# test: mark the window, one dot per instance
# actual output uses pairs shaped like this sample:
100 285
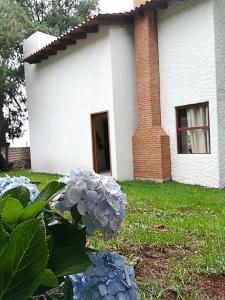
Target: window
193 131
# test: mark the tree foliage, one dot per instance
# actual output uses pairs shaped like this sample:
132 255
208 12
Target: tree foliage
57 16
15 24
20 18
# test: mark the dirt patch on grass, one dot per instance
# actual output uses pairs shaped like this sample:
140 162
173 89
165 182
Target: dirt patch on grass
153 264
186 209
151 261
158 228
212 286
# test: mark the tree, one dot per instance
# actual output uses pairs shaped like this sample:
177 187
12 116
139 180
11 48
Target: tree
57 16
14 26
20 18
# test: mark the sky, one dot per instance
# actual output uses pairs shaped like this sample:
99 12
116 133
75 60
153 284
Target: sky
116 5
109 6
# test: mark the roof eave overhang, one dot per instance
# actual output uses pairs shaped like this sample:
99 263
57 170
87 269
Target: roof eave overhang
90 26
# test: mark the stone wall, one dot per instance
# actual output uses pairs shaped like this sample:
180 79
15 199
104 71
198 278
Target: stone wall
19 158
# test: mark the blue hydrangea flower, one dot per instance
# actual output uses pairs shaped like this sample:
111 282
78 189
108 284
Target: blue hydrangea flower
99 201
108 278
7 183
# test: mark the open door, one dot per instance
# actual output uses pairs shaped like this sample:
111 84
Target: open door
101 143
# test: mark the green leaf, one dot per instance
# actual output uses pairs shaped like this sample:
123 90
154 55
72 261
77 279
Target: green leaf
76 216
23 261
68 260
32 210
68 235
20 193
2 203
49 279
4 238
68 255
55 297
49 241
51 216
50 191
65 293
68 290
11 211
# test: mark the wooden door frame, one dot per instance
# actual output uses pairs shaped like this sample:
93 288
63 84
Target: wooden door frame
93 137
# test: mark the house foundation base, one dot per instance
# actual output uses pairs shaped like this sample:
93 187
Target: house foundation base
151 154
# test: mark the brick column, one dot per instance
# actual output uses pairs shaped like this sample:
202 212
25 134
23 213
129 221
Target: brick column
151 146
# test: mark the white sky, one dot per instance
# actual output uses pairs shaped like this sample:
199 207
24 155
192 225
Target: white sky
116 5
109 6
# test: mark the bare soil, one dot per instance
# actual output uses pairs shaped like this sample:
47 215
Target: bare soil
153 263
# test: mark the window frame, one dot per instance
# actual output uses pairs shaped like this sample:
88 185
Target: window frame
182 129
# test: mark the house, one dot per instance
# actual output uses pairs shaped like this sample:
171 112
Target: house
139 94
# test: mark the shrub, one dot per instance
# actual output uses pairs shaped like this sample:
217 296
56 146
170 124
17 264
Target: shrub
41 249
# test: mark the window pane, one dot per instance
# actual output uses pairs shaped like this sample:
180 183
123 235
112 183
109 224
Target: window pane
193 116
194 141
182 118
198 115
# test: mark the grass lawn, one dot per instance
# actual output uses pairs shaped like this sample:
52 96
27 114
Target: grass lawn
174 234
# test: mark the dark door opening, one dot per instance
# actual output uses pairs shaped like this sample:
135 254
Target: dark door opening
101 143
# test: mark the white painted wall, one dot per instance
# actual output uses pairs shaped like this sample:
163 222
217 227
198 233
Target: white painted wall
188 75
98 74
124 94
62 93
35 42
219 23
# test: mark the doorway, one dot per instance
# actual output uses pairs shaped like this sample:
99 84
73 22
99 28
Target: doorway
101 143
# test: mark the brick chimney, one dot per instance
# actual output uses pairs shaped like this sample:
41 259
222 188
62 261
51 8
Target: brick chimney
151 145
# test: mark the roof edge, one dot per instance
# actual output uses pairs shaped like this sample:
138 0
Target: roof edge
90 26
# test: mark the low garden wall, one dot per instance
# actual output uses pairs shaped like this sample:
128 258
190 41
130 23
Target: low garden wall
19 158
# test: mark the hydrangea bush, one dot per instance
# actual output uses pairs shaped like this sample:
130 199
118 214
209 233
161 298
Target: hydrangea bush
107 278
7 183
98 199
41 249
